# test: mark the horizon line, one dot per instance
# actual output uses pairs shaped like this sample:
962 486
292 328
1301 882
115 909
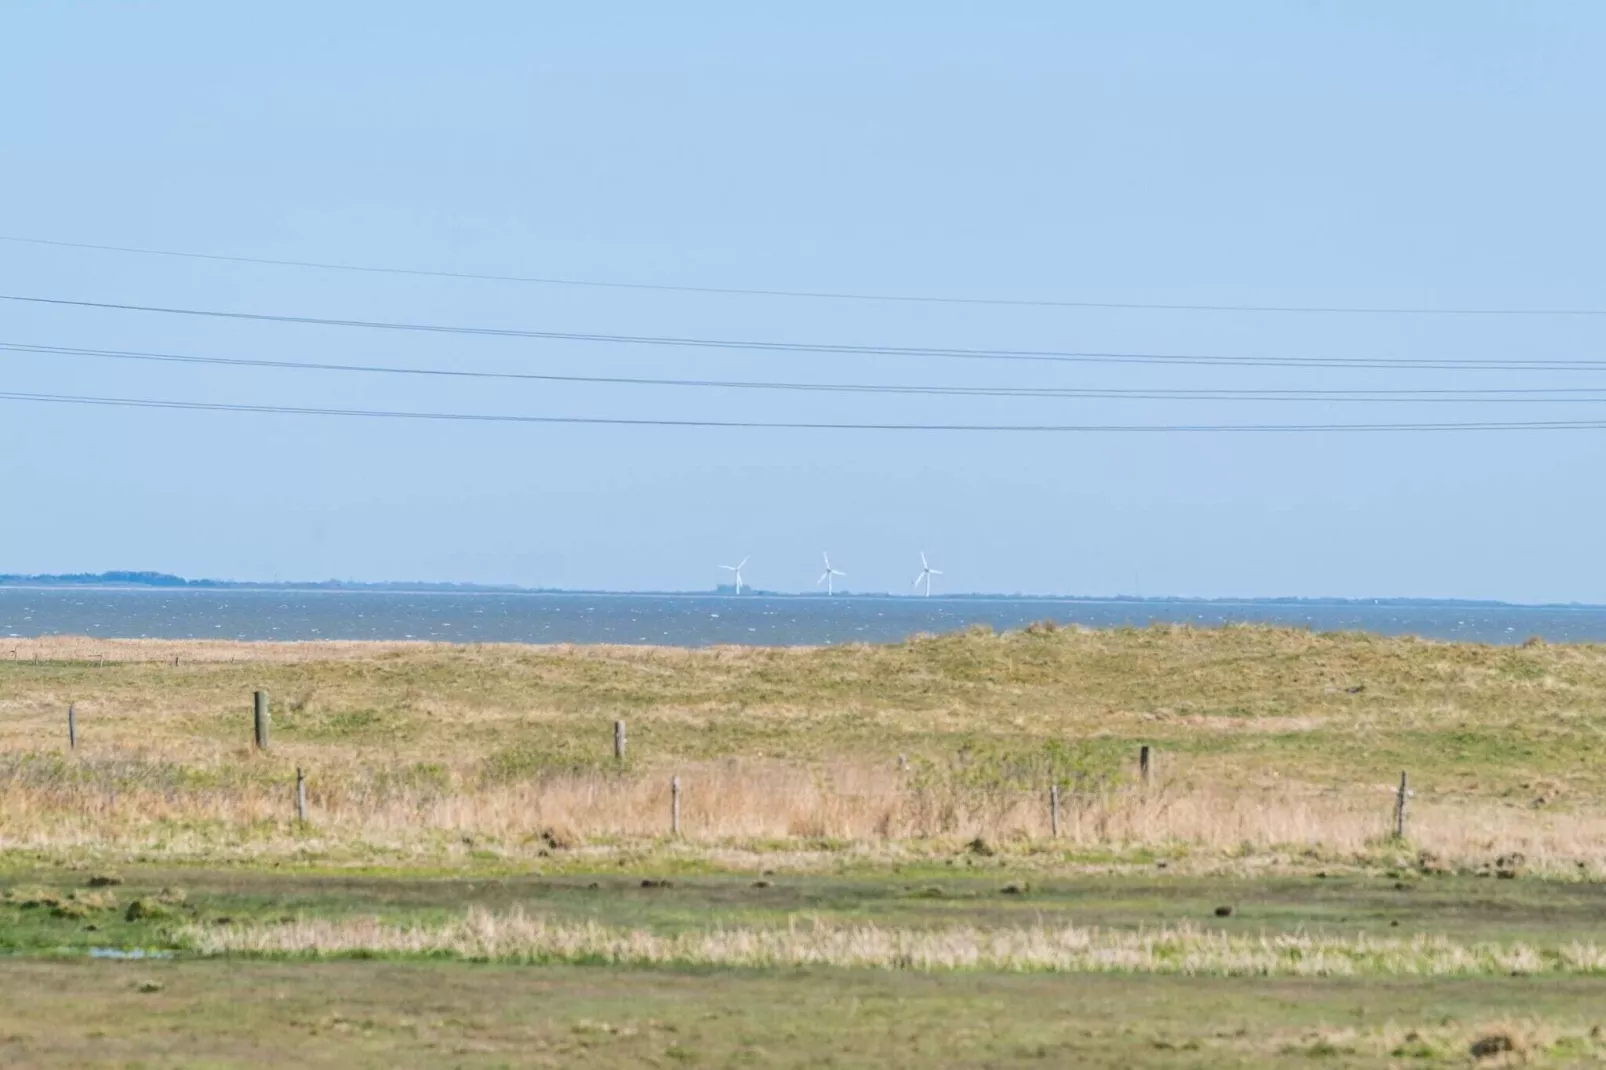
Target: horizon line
118 579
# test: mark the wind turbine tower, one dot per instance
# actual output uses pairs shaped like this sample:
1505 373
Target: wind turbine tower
737 570
829 575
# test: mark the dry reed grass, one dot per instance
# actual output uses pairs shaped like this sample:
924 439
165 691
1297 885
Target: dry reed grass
518 937
759 806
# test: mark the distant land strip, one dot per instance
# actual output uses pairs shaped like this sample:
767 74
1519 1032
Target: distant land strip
164 580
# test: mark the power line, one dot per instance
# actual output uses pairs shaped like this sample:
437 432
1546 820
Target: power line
610 421
1510 395
1051 356
831 295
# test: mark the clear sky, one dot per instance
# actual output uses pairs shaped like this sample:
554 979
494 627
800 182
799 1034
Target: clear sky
1371 154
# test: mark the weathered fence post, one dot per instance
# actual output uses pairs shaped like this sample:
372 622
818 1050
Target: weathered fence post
619 741
72 726
259 705
301 796
1143 763
674 806
1399 808
1054 809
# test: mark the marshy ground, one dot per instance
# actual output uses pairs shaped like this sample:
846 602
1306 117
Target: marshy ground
865 872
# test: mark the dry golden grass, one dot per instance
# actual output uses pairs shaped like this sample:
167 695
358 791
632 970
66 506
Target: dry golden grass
1267 740
420 700
749 811
1186 949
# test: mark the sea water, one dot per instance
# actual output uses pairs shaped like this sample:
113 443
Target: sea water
702 620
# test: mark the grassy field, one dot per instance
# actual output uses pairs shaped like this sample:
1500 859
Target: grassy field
219 1003
865 872
387 1014
1267 742
383 1006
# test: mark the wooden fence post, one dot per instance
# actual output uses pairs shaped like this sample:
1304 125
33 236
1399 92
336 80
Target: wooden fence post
259 705
1054 809
72 726
1143 763
618 741
301 796
1399 808
674 806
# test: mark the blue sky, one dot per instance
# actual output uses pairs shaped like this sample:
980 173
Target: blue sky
1432 154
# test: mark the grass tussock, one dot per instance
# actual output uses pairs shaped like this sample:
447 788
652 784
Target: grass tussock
1500 1042
1190 950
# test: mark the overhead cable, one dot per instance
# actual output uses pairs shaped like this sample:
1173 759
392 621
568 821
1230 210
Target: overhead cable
1509 395
1053 356
831 295
788 425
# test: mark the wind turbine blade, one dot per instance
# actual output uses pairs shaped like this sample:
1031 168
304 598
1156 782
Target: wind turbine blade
745 560
822 579
934 571
923 563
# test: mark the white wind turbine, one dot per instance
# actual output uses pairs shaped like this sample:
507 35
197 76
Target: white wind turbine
737 569
828 576
926 572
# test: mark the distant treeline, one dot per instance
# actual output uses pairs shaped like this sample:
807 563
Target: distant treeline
164 579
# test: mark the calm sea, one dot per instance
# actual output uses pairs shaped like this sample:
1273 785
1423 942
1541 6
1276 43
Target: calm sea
701 620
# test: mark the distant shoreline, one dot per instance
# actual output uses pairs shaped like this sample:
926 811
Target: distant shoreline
161 583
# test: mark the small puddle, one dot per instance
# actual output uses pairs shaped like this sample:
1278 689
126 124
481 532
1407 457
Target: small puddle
127 953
